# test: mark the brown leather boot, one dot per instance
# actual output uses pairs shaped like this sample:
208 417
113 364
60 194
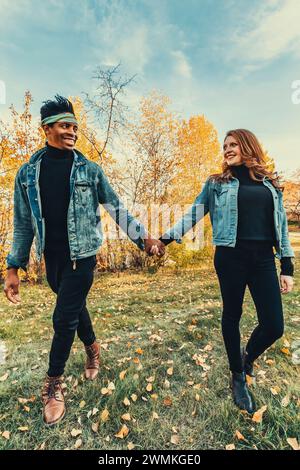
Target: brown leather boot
53 400
92 361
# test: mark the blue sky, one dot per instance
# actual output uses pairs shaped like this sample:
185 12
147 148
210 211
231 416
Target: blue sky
232 60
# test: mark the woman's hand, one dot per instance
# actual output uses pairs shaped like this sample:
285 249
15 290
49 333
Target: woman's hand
286 284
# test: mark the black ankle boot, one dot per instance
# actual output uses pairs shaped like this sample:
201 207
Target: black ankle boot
240 392
247 365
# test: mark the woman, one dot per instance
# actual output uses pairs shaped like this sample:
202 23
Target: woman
248 218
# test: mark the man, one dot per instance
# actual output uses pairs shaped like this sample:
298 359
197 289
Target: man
56 200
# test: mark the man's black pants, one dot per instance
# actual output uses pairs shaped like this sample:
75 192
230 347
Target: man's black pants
70 313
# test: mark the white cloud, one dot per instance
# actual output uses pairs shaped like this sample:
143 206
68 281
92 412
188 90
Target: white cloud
273 31
182 66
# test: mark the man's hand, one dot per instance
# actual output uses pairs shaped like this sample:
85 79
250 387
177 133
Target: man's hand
154 247
11 286
286 284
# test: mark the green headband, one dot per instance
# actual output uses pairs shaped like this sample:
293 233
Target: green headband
66 117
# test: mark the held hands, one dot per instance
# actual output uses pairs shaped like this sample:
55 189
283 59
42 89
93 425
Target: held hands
154 247
11 286
286 284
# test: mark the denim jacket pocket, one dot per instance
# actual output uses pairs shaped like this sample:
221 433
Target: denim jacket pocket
220 196
83 192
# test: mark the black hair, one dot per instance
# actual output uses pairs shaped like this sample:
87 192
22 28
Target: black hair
56 106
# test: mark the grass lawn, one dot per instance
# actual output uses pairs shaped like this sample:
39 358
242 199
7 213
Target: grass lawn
164 381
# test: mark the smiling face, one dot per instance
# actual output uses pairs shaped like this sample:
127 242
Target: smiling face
232 151
62 135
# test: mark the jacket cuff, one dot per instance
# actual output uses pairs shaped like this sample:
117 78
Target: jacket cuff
287 266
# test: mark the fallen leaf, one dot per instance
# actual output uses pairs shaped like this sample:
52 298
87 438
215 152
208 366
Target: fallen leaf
285 401
257 417
123 432
293 443
134 397
130 446
23 428
4 377
78 444
122 374
175 439
104 415
126 417
155 415
139 351
126 401
150 379
230 447
111 386
6 435
95 427
82 404
239 435
170 371
285 351
76 432
149 388
167 401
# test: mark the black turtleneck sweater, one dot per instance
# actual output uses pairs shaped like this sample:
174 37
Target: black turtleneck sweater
255 215
54 181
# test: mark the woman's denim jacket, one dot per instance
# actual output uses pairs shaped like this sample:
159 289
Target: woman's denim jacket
220 200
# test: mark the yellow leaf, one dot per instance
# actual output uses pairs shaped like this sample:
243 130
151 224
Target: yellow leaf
122 374
23 428
123 432
285 351
134 397
175 439
139 351
130 446
275 390
104 391
6 435
82 404
285 401
76 432
150 379
293 443
230 447
149 388
167 401
170 371
104 415
257 417
78 444
126 401
126 417
111 386
95 427
155 415
239 435
249 380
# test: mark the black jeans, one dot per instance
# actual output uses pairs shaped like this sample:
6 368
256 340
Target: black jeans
70 313
236 268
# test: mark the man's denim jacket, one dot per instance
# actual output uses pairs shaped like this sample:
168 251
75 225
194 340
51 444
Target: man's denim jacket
220 200
88 187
